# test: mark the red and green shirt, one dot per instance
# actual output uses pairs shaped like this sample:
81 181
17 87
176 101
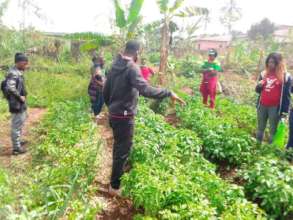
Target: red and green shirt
271 92
207 67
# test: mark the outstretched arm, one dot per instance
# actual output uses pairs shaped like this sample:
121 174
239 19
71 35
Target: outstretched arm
137 81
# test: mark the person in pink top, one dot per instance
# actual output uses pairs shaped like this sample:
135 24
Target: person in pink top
146 71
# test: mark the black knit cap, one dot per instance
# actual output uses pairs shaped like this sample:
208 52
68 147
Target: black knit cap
213 52
20 57
132 46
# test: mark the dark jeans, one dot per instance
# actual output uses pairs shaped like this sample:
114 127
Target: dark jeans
290 141
123 135
98 104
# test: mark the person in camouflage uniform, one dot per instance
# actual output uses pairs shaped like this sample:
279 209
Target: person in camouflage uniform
16 96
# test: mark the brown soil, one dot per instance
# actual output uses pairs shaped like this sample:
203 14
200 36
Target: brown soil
228 173
187 90
172 119
114 208
6 157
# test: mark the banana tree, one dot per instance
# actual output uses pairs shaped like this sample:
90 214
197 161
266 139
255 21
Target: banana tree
169 12
128 23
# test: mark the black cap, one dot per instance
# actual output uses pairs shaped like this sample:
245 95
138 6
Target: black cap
132 46
20 57
213 52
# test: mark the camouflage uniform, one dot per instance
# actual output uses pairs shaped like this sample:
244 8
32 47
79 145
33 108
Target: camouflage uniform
18 108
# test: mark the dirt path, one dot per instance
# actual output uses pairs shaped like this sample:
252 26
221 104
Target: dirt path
113 208
6 158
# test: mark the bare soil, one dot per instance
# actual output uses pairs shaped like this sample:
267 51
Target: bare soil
6 157
114 208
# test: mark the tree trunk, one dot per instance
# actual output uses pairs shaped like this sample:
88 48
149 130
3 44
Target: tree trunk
75 50
164 46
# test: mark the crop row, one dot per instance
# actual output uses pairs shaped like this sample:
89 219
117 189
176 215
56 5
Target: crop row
63 169
171 179
227 137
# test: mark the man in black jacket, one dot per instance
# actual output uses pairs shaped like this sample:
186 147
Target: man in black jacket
16 95
123 86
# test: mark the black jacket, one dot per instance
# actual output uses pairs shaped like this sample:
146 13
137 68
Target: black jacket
16 89
286 93
124 84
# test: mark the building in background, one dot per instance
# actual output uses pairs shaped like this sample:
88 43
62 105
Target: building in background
282 33
220 43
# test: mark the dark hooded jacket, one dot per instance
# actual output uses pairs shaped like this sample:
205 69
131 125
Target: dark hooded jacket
123 86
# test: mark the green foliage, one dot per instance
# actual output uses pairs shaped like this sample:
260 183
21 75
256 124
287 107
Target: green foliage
270 181
264 28
120 15
12 41
92 41
170 179
64 166
193 11
134 10
6 196
3 7
243 211
163 6
130 23
223 139
226 135
177 4
45 89
188 66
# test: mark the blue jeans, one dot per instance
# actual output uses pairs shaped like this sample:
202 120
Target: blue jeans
290 141
98 104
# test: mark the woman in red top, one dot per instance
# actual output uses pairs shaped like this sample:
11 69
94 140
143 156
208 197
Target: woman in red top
270 87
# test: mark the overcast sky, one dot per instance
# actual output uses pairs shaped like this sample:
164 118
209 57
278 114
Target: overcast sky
95 15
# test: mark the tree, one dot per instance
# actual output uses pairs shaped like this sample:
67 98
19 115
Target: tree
3 7
173 27
169 12
128 24
231 14
151 34
29 7
264 29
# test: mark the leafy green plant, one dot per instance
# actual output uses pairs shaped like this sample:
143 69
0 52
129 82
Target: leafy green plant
128 23
170 178
270 182
227 137
64 165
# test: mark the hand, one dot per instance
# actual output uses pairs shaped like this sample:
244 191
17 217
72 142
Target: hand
262 82
175 98
284 117
22 98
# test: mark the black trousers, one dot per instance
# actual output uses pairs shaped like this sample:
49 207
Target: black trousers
123 139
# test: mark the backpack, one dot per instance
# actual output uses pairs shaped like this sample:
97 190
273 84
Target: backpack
4 88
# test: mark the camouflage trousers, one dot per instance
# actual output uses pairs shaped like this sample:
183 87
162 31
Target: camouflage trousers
17 123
